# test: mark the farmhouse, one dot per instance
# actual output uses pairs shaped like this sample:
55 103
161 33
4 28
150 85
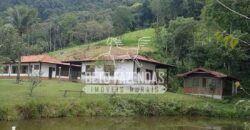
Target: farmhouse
121 69
209 83
43 66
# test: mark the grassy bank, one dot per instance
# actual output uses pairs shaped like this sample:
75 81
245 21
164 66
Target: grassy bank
48 102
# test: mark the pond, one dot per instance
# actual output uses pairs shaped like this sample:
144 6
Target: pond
126 123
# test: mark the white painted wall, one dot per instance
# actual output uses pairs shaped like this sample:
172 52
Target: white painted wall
143 67
44 70
125 73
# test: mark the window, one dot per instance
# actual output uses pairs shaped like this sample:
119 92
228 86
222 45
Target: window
36 67
6 69
149 74
204 82
195 82
138 70
24 69
90 69
14 70
213 83
109 69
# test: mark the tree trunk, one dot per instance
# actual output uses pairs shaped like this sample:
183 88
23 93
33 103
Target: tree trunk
18 70
19 61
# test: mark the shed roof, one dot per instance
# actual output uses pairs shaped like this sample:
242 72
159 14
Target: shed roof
206 71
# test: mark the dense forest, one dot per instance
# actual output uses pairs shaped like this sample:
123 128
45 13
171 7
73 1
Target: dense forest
213 34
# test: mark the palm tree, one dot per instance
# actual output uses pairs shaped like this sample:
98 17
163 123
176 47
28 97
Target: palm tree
22 17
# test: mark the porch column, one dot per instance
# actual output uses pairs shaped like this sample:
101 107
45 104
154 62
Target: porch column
167 77
29 70
40 69
60 70
70 75
81 72
10 67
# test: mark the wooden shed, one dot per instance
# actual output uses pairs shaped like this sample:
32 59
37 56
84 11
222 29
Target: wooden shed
209 83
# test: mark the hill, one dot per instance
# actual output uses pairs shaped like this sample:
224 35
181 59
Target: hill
129 43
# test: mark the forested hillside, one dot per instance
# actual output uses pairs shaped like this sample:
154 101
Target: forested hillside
214 34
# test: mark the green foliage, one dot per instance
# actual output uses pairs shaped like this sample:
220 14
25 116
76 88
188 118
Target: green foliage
10 46
21 17
122 19
227 20
246 126
179 38
229 41
34 83
166 10
242 106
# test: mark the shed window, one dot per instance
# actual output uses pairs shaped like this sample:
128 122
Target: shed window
109 69
6 69
149 74
204 82
24 69
195 82
213 83
14 70
138 70
36 67
90 69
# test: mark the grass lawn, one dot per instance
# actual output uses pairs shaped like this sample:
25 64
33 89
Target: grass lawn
12 95
49 91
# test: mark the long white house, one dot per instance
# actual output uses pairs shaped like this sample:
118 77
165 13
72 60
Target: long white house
40 65
109 69
120 69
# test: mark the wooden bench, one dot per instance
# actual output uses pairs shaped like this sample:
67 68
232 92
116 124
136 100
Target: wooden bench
74 91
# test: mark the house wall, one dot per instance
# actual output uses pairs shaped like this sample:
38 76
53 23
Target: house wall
44 70
99 74
143 66
124 73
194 85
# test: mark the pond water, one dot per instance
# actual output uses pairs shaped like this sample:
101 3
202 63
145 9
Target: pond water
126 123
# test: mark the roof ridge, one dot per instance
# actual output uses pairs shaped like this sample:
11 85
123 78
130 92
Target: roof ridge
215 73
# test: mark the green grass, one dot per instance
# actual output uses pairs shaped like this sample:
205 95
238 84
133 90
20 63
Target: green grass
50 91
12 94
129 40
48 101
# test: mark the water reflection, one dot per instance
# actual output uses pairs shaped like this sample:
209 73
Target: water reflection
128 123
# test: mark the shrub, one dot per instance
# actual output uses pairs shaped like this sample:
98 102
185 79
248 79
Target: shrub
120 106
3 113
242 107
28 111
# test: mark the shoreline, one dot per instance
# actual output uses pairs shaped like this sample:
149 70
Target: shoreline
115 107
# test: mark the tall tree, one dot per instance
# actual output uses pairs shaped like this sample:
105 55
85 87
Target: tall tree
22 17
178 39
122 19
